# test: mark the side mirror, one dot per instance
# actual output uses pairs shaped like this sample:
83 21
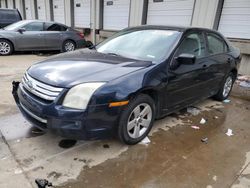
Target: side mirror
21 30
186 59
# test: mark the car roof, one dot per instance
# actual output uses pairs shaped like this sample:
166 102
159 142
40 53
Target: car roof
10 9
175 28
28 21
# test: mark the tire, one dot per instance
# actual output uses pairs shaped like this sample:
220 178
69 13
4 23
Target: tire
139 127
6 47
88 44
226 87
68 46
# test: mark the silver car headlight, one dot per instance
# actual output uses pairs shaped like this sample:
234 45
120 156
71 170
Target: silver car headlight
78 96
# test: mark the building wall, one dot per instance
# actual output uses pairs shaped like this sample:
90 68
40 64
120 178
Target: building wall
204 13
19 6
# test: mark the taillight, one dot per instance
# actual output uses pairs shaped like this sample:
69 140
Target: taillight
81 35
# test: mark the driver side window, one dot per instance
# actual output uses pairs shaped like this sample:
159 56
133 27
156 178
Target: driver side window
34 26
192 44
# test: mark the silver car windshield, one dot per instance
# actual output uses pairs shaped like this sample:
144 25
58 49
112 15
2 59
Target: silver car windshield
148 45
15 26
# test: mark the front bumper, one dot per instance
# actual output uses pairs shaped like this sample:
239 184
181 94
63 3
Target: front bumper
97 122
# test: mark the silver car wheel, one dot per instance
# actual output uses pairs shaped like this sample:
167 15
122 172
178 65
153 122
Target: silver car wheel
69 46
4 48
139 120
227 86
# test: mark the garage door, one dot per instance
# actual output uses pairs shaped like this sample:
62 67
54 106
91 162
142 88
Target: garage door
11 4
115 14
170 12
3 4
82 13
28 9
41 11
59 11
235 19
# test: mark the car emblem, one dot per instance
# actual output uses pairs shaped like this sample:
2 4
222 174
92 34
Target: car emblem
30 84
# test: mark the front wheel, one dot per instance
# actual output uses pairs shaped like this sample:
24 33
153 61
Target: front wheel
68 46
226 88
136 120
6 48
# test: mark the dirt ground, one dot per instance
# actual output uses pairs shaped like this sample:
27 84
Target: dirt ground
175 157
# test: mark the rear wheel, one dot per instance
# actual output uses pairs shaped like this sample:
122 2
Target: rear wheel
136 120
68 46
6 48
226 88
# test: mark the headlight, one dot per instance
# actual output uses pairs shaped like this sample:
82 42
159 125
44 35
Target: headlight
78 97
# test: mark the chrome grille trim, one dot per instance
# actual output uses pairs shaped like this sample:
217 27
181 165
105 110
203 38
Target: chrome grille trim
39 89
33 115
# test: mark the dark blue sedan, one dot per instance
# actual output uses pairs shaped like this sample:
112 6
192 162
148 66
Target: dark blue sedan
119 87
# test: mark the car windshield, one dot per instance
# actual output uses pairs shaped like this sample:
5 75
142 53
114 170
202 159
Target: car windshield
148 45
15 26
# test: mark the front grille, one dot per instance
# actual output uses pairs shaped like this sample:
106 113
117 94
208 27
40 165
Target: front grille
39 89
42 120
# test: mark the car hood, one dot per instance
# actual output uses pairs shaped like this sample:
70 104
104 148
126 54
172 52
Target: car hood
81 66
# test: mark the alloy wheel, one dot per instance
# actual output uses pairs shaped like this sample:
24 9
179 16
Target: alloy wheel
139 120
69 46
4 48
227 86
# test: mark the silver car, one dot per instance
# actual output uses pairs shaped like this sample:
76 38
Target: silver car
31 35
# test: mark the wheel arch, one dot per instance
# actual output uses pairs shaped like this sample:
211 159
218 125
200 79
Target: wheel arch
69 39
12 43
65 40
154 94
234 71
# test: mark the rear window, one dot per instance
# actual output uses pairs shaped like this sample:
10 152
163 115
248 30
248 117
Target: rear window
54 27
216 44
9 15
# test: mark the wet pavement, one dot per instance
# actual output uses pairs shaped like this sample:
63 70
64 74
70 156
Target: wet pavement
178 158
175 156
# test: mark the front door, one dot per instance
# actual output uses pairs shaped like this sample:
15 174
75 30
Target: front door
187 81
32 38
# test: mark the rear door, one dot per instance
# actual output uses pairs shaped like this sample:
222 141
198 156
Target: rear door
53 35
187 82
32 37
218 59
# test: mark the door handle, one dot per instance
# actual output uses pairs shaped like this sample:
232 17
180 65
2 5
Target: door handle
204 66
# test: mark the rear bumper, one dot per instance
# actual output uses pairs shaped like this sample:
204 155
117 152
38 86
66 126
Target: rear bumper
97 122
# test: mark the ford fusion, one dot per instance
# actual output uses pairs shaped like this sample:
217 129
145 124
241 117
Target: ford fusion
119 87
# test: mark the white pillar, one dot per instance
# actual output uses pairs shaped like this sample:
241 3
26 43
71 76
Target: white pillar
204 13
